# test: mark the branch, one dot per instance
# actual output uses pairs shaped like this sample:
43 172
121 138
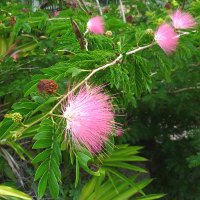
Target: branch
183 89
122 10
83 6
98 5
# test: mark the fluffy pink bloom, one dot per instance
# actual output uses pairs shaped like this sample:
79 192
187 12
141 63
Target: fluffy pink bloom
56 13
182 20
167 38
89 118
15 56
96 25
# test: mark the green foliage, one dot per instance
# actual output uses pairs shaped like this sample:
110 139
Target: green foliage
50 159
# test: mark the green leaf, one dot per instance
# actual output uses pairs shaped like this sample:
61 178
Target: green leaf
50 100
53 184
43 135
88 188
83 160
26 27
41 156
125 158
124 165
112 181
8 191
42 185
56 170
43 143
126 194
150 197
77 172
124 178
41 169
71 156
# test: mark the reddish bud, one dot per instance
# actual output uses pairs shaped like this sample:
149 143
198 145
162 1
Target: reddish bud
129 18
74 5
106 10
168 6
67 6
24 10
48 86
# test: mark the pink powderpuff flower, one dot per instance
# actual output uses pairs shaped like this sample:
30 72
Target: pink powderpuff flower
15 56
89 118
56 13
96 25
167 38
182 20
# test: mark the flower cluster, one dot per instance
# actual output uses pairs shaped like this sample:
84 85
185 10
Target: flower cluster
166 37
90 118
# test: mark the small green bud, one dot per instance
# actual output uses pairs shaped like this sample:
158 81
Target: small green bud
17 117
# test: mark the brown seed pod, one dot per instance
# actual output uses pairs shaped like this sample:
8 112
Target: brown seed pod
168 6
129 18
48 86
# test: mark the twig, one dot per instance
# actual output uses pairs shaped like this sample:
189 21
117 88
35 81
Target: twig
52 19
98 5
140 48
82 5
86 41
122 10
14 166
183 89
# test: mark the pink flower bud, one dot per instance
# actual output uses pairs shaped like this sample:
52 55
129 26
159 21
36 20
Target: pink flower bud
182 20
166 38
89 118
96 25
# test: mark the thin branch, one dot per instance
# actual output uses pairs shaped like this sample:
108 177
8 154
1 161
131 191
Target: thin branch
99 7
83 6
122 10
52 19
183 89
86 41
140 48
